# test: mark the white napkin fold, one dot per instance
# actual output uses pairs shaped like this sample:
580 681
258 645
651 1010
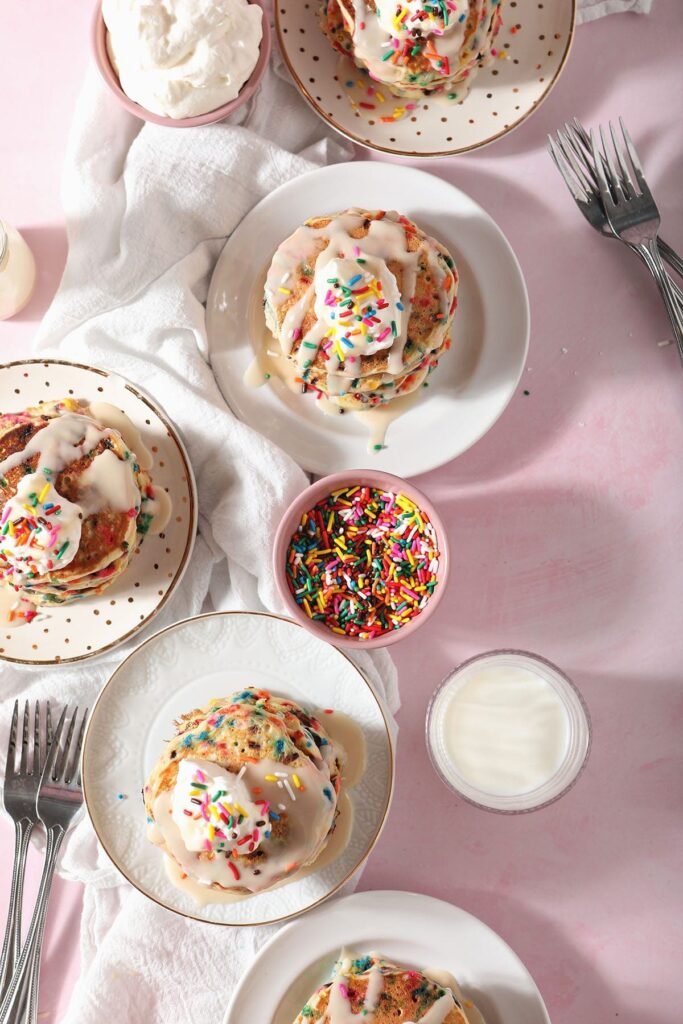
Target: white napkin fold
148 210
589 10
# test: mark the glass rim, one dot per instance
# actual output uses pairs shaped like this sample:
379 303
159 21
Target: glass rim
581 706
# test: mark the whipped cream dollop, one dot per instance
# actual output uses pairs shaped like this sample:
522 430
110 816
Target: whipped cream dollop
181 58
214 810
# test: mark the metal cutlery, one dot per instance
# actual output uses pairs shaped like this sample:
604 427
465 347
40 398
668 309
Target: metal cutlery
59 798
616 205
579 132
19 797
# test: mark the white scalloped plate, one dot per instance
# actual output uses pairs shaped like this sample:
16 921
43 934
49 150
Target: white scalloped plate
474 381
409 928
63 633
536 38
183 667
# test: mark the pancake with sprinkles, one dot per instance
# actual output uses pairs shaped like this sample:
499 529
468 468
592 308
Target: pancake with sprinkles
416 47
75 503
362 303
246 792
374 990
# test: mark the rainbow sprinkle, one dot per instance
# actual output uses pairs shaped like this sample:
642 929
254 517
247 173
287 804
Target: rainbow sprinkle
363 561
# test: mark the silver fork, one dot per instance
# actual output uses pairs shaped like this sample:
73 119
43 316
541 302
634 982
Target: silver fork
577 131
59 798
635 217
19 798
572 154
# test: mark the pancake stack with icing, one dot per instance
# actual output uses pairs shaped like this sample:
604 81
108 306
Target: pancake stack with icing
245 794
75 502
362 303
416 47
372 990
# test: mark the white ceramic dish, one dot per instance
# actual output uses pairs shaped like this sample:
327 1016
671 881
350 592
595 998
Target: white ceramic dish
183 667
412 929
474 381
536 38
96 624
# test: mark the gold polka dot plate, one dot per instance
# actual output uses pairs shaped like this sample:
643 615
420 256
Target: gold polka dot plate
531 50
213 656
95 624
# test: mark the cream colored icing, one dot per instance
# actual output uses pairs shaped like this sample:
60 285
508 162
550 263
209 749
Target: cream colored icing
305 795
397 26
380 312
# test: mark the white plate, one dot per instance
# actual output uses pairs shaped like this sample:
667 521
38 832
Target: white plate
536 36
473 382
184 667
95 624
414 930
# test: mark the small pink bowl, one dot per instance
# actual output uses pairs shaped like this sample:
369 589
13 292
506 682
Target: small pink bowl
306 500
99 44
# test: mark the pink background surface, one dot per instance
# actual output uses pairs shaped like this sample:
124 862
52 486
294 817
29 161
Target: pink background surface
565 525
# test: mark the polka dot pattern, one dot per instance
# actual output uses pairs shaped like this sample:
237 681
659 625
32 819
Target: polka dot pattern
95 624
531 49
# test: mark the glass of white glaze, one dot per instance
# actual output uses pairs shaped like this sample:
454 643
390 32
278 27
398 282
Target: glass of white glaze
508 731
17 272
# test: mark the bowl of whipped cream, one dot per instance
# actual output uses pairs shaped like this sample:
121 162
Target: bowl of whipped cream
182 63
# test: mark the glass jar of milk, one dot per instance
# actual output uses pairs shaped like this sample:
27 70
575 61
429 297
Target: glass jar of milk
508 731
17 272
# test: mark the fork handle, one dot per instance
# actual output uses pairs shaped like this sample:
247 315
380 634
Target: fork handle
649 253
670 255
11 946
12 1010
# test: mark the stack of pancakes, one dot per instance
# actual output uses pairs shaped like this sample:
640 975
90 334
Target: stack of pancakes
372 988
108 534
265 760
361 302
415 47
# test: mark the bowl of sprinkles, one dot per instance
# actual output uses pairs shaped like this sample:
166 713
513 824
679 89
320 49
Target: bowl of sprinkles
361 558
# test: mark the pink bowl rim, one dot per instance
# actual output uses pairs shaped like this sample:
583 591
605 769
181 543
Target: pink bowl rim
211 116
305 500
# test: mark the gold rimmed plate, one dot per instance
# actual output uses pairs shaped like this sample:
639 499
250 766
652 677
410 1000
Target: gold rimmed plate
183 667
95 624
531 50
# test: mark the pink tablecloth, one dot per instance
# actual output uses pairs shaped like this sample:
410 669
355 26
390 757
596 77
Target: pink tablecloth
565 524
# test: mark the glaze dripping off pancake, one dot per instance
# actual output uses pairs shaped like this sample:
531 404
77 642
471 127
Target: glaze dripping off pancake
74 503
245 794
362 303
416 47
374 990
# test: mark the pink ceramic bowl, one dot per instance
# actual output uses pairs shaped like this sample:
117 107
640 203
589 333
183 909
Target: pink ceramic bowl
99 43
320 489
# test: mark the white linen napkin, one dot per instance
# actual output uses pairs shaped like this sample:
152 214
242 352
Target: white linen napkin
589 10
148 210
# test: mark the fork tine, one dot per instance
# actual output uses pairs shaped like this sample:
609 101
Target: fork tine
576 162
562 166
633 157
582 153
36 763
23 766
626 180
615 184
73 778
49 769
12 745
605 193
60 770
